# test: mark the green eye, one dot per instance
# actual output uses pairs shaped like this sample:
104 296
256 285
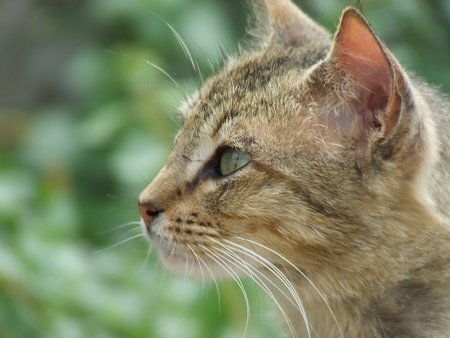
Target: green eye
233 160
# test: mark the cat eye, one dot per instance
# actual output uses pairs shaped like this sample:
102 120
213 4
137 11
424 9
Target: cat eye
233 160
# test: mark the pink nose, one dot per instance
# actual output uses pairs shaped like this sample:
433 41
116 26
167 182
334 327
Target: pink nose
149 211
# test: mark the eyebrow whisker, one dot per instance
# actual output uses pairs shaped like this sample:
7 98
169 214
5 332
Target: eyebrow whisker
191 160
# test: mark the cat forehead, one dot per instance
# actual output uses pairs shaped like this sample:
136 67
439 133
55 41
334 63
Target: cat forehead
249 80
276 118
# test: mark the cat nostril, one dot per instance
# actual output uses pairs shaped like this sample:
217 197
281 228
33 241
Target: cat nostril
149 211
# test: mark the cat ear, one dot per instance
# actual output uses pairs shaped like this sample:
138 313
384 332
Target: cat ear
376 76
282 22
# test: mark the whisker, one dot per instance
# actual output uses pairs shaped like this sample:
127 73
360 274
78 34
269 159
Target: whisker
172 80
199 71
302 273
186 266
277 272
194 65
147 256
191 160
251 272
183 45
164 72
199 265
216 284
238 282
172 251
205 55
223 53
120 227
182 90
134 230
119 243
273 269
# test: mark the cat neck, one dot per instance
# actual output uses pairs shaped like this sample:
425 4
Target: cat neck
405 285
401 308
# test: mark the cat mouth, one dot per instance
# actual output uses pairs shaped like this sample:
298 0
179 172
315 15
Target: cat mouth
197 254
173 254
180 259
164 245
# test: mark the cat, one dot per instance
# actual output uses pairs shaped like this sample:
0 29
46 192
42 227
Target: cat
318 166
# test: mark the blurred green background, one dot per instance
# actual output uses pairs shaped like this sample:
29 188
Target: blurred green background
86 122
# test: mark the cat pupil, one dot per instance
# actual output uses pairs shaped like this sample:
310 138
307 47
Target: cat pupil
236 157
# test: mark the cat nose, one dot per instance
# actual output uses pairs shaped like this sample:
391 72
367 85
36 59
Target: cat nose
149 211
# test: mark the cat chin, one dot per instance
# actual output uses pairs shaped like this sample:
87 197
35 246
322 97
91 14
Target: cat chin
190 268
184 268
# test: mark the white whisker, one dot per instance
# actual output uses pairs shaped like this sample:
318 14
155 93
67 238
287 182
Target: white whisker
120 243
252 273
163 71
199 265
216 284
186 266
134 231
121 226
172 251
235 277
147 256
277 272
302 273
183 45
182 90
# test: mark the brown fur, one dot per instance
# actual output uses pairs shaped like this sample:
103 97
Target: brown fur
349 179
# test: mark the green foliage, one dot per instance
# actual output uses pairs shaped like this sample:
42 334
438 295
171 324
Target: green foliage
86 121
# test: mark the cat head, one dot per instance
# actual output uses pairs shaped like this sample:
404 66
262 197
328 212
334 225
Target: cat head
304 147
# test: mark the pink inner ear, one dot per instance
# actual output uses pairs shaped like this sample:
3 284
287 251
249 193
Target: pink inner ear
359 52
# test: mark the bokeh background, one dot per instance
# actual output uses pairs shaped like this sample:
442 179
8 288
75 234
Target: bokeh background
87 120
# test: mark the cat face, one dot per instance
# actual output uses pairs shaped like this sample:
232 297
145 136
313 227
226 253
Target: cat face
200 203
288 152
